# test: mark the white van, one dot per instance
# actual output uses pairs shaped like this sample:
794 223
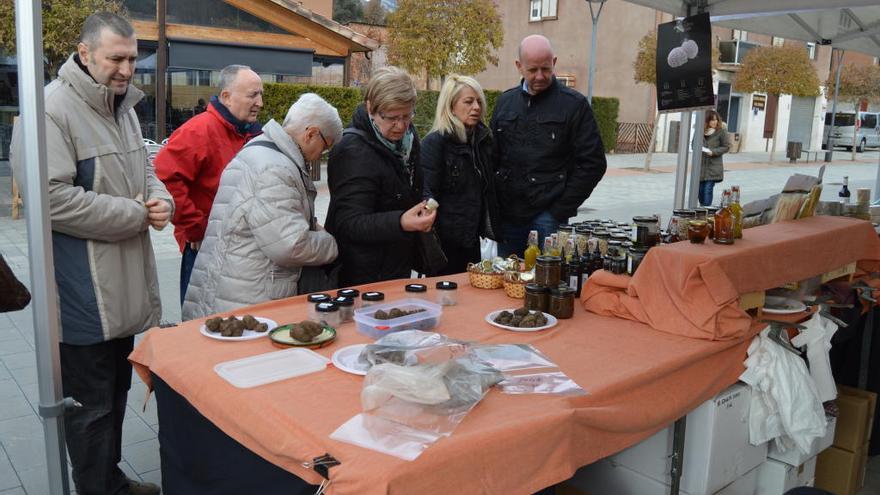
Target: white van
867 129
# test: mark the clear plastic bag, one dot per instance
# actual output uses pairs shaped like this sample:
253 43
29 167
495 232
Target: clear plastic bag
412 347
554 382
510 357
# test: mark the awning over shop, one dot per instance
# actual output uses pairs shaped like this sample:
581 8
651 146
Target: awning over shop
215 56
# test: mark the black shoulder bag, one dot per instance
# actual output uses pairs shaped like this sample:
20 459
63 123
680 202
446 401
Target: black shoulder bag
14 296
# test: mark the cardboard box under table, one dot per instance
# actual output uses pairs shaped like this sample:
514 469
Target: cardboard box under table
638 381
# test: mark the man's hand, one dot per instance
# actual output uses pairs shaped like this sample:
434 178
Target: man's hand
158 212
418 219
195 245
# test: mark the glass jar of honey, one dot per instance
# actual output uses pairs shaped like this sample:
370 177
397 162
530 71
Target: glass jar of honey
697 231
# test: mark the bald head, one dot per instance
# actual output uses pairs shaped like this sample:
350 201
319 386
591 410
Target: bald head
536 62
534 45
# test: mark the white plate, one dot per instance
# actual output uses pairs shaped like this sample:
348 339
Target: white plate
247 335
346 359
782 305
490 318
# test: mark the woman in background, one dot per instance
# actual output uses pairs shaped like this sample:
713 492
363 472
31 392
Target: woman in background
457 163
716 142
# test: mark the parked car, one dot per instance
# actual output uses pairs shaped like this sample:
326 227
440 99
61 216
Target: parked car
867 129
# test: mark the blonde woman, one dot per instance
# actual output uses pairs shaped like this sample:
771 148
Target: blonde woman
375 182
457 163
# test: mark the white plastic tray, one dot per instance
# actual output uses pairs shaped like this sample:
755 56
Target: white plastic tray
271 367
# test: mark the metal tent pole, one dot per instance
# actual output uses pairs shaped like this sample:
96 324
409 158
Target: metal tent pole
681 168
830 149
29 39
696 159
877 180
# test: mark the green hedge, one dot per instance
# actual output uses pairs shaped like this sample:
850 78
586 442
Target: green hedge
606 111
277 98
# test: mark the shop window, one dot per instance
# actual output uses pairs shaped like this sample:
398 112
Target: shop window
540 10
568 80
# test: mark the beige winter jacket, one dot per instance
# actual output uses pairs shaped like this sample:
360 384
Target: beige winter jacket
261 230
99 179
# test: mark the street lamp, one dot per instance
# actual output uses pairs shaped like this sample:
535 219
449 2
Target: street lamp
594 14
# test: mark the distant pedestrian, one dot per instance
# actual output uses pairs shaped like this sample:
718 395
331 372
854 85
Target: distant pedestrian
196 154
716 142
200 107
549 155
103 197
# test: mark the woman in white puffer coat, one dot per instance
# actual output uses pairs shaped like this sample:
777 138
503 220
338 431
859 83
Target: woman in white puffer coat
262 228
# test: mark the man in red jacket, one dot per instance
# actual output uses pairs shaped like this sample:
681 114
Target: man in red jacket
197 152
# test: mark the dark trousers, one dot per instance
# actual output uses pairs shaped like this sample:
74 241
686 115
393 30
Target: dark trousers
514 237
707 187
458 257
186 268
98 376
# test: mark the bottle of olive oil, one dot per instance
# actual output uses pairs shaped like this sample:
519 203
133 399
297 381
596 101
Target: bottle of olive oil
532 250
737 210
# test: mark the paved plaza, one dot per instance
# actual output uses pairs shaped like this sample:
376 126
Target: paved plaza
625 191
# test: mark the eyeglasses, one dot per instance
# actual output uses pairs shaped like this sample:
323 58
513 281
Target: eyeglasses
405 119
326 144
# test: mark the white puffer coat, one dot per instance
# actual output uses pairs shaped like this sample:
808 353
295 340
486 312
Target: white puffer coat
261 230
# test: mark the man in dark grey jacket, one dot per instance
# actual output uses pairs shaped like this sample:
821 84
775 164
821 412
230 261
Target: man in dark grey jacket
549 154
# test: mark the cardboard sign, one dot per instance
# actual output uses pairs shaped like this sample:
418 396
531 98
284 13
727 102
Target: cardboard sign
684 64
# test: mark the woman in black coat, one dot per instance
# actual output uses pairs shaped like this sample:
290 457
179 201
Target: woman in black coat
375 181
457 163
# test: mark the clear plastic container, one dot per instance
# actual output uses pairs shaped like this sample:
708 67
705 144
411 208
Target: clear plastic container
447 293
372 298
423 320
327 312
346 308
417 290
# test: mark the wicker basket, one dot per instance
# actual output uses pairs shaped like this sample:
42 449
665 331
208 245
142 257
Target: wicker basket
483 280
513 286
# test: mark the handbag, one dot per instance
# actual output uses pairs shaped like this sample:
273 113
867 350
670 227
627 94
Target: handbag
430 258
318 278
14 296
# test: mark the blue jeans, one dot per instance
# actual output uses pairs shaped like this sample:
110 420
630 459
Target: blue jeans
186 268
706 189
515 237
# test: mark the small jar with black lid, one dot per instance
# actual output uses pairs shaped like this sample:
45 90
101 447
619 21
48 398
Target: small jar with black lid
352 294
536 297
418 291
447 293
370 298
346 308
327 312
548 270
634 258
315 299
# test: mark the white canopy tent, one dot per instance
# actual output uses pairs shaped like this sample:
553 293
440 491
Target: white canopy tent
852 25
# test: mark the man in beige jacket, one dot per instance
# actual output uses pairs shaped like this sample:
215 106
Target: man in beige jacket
103 197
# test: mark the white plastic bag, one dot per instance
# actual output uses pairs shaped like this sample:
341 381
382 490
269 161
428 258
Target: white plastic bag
488 248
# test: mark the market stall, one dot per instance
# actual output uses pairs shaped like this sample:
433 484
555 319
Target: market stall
637 379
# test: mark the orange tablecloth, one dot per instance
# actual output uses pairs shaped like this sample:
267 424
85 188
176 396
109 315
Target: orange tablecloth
693 289
638 380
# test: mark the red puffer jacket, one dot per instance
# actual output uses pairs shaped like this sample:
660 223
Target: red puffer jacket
191 163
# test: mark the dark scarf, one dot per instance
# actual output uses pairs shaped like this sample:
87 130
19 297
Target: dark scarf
241 127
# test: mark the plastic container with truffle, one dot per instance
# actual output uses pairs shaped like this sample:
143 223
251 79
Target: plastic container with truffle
393 316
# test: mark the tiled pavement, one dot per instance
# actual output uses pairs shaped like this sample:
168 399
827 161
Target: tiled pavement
624 192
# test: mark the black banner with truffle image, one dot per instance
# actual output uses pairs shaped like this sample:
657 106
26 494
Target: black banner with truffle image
684 64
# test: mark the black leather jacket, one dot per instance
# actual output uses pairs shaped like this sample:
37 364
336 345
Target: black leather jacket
460 176
549 154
